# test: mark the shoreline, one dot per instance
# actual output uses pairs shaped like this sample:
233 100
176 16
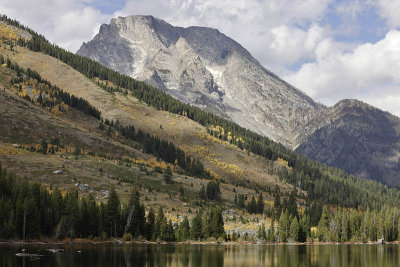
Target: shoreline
118 242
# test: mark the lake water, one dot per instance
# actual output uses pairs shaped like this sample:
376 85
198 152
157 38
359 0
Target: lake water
204 255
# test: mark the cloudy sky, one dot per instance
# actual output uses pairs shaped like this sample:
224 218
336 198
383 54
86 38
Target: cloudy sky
330 49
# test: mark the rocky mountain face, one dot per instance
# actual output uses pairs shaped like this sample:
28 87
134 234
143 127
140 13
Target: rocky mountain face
359 139
205 68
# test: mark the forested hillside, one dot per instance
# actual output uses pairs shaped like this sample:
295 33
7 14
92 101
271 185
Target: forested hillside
309 193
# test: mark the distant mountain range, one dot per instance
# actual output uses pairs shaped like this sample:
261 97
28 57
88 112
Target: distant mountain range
205 68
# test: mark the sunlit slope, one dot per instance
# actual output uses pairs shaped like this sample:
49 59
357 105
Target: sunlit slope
222 159
104 160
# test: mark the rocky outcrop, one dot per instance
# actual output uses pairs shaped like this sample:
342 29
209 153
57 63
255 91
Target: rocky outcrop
203 67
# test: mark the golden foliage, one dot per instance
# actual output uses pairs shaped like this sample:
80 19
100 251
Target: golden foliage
8 32
32 89
282 162
12 33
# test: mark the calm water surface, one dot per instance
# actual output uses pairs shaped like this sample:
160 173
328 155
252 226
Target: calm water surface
204 255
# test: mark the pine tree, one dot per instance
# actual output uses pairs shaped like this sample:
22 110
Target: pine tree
112 212
284 226
43 146
216 223
252 206
202 193
261 232
324 225
93 214
213 191
157 225
150 224
169 234
241 201
345 229
271 231
164 234
294 230
260 204
304 228
277 203
196 231
184 229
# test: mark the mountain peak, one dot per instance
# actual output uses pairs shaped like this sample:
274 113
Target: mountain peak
213 72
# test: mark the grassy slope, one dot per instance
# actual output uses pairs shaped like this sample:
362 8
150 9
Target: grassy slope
25 123
224 160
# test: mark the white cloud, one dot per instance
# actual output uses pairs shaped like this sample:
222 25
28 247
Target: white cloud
263 27
390 11
369 72
289 45
67 23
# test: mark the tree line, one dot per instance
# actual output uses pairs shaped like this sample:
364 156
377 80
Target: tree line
340 225
29 210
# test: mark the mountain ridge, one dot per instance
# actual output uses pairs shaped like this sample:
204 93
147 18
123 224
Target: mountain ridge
223 78
205 68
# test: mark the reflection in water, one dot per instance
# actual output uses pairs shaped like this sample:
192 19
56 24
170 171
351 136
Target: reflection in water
207 255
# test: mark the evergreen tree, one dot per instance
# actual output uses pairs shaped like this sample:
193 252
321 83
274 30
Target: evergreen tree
284 225
216 223
304 228
271 231
184 230
252 206
324 225
169 234
93 215
260 204
277 203
213 191
157 225
241 203
138 219
72 210
294 230
164 230
112 212
196 231
202 193
150 224
43 146
261 233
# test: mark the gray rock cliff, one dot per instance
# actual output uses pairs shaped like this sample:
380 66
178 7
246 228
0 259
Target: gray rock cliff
203 67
